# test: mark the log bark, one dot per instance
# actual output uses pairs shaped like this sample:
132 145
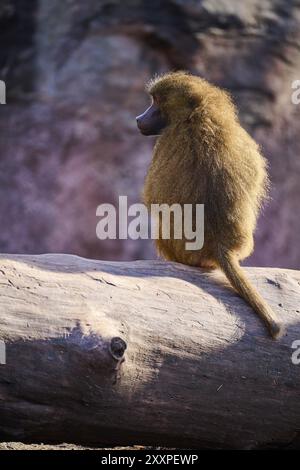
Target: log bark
144 352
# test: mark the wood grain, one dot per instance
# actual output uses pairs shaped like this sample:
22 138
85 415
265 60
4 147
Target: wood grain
144 352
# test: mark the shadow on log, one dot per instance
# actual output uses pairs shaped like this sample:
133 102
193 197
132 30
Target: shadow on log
147 352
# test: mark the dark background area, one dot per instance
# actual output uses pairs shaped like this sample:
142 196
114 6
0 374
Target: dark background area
75 73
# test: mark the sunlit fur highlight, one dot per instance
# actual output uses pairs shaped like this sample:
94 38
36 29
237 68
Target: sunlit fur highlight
204 156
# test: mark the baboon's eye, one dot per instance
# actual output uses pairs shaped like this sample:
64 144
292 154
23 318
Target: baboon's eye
154 99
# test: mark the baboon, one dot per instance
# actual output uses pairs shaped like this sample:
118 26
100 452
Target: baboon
204 156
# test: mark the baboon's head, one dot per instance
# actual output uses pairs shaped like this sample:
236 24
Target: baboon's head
173 99
176 98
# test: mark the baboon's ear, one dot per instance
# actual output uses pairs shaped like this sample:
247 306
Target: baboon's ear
193 101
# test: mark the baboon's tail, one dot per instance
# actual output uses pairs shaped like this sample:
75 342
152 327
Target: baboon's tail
235 274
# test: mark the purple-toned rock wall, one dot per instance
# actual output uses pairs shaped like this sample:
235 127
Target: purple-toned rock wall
75 74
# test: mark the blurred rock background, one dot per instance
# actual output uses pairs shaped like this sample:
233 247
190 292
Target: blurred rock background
75 73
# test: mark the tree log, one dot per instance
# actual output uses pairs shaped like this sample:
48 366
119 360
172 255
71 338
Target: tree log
145 352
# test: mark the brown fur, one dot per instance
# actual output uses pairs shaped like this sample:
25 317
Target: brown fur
204 156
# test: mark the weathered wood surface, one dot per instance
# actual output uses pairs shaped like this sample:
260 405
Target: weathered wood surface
199 369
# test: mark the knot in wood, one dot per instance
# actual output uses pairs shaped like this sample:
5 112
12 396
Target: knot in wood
117 347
